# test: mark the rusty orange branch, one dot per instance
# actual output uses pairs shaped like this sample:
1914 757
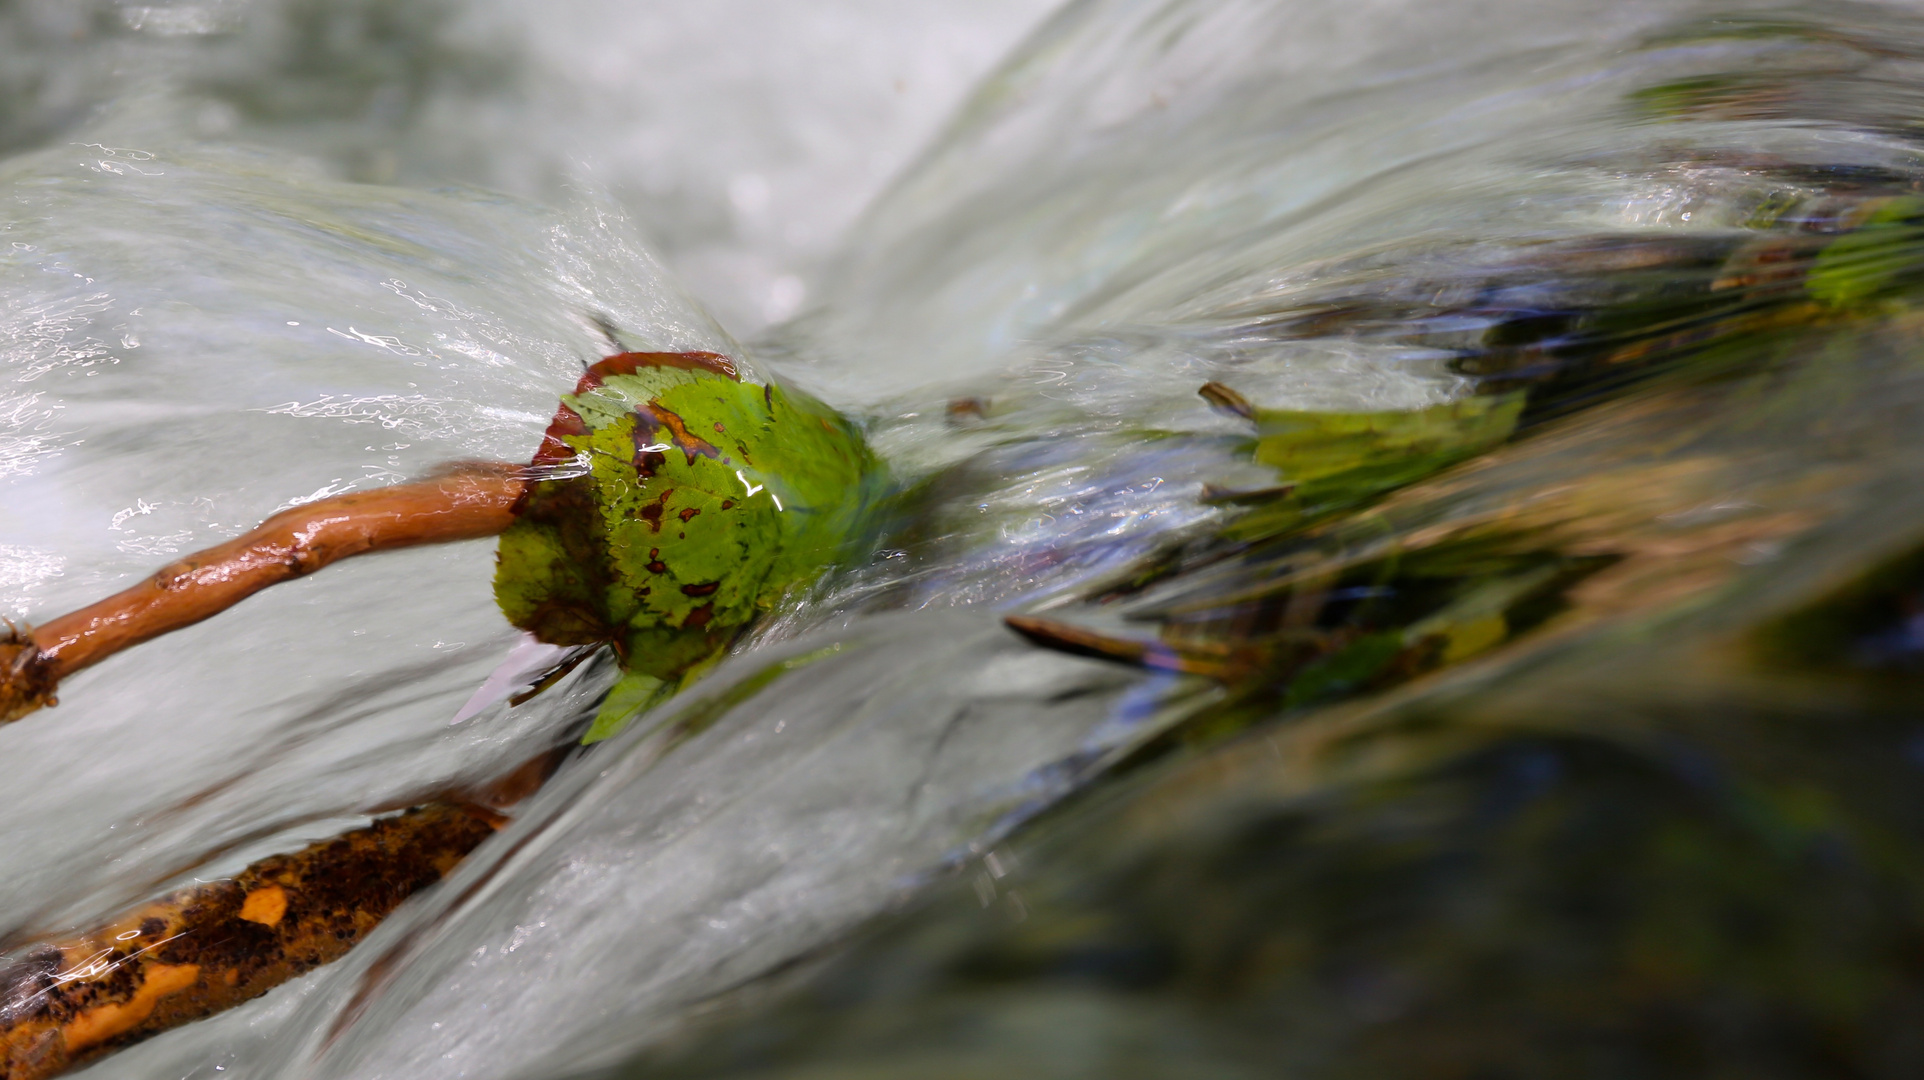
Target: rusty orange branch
470 501
213 946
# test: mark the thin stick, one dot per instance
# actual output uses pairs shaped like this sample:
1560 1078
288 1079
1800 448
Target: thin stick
474 500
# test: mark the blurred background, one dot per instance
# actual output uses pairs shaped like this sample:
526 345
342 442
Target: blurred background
744 136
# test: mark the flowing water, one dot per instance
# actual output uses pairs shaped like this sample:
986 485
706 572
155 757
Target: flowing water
1507 668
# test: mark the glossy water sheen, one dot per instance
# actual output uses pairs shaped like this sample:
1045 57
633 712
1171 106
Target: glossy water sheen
1532 767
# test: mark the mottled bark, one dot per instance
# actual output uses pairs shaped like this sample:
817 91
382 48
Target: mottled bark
211 947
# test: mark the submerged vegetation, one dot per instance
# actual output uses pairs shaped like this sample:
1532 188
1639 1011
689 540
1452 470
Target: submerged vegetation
1664 823
1539 753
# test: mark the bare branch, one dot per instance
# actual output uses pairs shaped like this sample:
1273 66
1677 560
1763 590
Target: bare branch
472 500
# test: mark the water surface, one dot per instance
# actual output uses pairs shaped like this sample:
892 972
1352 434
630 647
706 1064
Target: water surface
1511 674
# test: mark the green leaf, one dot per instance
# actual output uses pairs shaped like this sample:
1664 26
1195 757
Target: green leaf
1873 258
705 501
633 695
1345 670
1336 461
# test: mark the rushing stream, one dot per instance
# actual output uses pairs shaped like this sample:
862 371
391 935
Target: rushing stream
1507 667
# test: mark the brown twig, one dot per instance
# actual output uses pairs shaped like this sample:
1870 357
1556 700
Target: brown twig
470 501
1227 401
1213 661
211 947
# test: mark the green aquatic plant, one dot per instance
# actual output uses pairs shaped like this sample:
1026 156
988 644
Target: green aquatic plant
1313 590
669 504
1873 259
697 502
1335 461
1552 762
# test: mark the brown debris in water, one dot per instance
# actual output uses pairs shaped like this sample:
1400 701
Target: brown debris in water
214 946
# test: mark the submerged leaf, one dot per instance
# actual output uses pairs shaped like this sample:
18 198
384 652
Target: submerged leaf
1872 259
1335 461
633 695
699 501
